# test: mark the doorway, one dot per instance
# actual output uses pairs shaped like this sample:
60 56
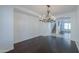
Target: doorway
65 28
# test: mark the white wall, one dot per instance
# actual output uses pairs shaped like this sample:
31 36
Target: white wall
45 29
6 28
27 26
18 27
76 26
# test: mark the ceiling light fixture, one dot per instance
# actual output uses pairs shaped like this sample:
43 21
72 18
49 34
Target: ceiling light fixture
48 17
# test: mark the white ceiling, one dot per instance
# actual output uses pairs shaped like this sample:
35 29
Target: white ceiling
56 9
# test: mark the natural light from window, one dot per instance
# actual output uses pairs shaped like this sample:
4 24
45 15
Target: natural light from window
67 26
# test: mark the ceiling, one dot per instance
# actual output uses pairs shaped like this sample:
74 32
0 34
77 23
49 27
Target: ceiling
56 9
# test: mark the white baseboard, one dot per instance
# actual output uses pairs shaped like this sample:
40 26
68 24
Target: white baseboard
26 39
6 50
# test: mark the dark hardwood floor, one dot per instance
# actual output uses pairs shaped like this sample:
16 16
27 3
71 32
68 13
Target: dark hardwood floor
45 44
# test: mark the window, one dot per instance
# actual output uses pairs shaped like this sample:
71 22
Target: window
67 26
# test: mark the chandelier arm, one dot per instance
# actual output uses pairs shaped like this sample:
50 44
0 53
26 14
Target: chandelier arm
48 17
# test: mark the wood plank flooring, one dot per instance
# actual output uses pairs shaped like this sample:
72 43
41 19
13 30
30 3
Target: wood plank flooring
45 44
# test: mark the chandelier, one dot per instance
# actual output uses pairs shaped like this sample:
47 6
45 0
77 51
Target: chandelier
48 17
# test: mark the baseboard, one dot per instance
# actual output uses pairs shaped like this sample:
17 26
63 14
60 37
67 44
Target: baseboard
6 50
27 39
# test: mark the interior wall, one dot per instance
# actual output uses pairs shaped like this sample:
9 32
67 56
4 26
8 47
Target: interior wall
6 28
76 27
45 29
27 26
76 24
